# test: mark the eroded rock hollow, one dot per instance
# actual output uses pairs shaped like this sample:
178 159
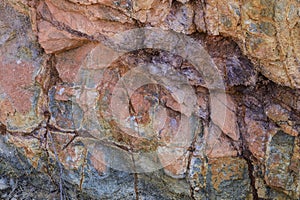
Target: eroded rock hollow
149 99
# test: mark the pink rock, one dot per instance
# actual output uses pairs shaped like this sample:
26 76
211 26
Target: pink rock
177 167
224 115
277 113
15 81
69 63
256 137
54 40
217 144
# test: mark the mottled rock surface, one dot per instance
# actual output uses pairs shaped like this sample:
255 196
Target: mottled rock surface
90 108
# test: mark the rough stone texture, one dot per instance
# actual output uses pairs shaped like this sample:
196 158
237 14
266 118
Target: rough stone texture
76 124
266 31
21 59
223 178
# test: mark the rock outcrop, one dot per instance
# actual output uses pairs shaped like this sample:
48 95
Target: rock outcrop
149 99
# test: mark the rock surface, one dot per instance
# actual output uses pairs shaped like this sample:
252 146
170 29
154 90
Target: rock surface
90 108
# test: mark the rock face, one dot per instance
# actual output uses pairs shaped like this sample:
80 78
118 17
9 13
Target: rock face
149 99
266 31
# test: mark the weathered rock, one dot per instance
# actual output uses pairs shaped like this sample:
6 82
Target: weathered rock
225 177
180 19
54 40
19 62
282 117
76 25
258 27
150 11
262 30
228 125
278 174
218 145
71 119
256 137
